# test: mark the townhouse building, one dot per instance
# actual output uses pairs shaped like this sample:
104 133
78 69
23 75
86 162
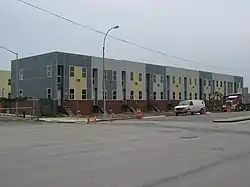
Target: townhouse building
72 77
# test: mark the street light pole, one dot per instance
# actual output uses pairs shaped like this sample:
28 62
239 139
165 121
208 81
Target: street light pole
17 84
103 66
16 54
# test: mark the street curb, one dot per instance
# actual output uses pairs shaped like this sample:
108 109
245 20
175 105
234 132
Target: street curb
231 120
98 120
115 119
40 120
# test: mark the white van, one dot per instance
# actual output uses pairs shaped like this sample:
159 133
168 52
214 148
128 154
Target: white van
190 106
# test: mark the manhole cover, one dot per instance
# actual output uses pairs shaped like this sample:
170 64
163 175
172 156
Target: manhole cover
217 149
135 140
189 137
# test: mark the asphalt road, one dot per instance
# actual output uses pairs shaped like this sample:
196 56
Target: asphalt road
206 118
125 154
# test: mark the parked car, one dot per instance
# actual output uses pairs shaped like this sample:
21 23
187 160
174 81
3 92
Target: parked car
190 106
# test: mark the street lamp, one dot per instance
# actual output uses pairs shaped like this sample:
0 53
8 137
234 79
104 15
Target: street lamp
16 54
103 65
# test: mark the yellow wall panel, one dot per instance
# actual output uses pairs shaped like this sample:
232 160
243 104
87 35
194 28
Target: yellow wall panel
78 82
4 87
192 88
137 85
176 88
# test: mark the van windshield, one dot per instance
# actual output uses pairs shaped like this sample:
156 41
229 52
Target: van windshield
182 103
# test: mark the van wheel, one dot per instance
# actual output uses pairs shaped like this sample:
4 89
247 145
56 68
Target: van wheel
192 113
202 111
176 114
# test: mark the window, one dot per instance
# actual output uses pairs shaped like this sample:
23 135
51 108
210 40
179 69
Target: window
59 80
106 95
220 83
72 71
84 72
179 80
131 76
59 70
114 94
173 79
71 94
49 93
9 82
173 95
140 94
131 94
140 77
162 97
84 94
205 96
217 83
154 95
20 74
195 82
205 82
195 95
190 81
209 95
185 95
106 74
179 95
154 78
49 71
9 95
20 93
162 79
209 83
114 75
190 95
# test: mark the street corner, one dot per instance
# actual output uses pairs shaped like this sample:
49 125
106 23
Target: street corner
232 120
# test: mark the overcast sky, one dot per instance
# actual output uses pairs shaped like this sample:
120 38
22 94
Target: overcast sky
214 33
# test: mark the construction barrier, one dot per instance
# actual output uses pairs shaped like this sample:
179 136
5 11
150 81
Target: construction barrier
22 111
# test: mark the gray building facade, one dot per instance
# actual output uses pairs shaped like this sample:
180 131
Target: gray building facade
64 76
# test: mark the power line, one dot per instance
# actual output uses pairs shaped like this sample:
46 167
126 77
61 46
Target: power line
119 39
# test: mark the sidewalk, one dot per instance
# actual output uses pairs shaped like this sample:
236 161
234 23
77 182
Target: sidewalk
99 119
84 119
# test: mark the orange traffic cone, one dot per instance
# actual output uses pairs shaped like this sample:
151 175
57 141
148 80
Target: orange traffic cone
88 119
